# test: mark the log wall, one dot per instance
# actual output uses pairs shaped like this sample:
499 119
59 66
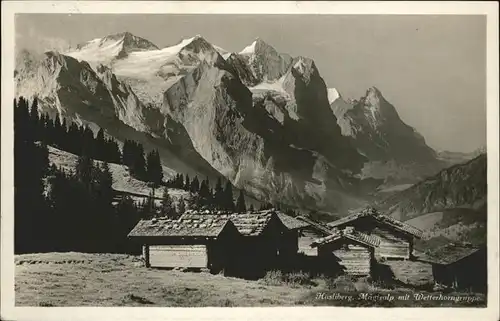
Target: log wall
354 259
349 257
393 243
171 256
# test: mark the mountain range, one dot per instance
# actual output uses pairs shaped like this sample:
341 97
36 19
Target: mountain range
265 120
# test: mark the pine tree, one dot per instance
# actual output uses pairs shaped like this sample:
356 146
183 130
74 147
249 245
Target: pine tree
85 170
149 208
101 151
251 208
204 190
106 183
138 168
180 182
195 185
228 201
167 208
240 203
187 183
57 131
181 207
126 159
88 147
154 169
219 194
35 120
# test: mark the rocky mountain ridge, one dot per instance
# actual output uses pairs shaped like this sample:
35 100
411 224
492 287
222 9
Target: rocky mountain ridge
460 186
264 120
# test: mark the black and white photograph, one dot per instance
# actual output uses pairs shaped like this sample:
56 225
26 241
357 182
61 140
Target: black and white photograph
230 160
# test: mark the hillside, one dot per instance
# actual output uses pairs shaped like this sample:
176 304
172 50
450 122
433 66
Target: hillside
459 186
449 207
123 182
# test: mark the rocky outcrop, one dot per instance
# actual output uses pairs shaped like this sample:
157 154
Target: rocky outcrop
265 62
396 151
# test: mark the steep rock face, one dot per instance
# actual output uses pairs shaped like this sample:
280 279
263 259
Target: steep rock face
260 118
396 151
460 186
317 126
66 87
243 70
264 61
254 147
61 82
380 132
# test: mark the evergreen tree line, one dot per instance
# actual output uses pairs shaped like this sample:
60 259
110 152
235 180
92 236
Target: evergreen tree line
218 198
80 140
59 210
73 138
148 208
144 168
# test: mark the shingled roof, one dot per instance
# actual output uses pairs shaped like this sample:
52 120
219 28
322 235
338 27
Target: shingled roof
390 221
450 253
210 223
349 233
316 225
209 226
292 223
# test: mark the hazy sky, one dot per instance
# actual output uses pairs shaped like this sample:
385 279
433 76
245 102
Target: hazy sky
431 68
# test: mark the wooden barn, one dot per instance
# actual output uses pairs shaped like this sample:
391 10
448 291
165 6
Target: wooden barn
203 242
347 252
266 242
295 229
396 237
243 244
459 266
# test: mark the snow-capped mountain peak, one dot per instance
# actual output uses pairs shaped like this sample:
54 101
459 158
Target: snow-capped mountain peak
250 49
111 47
257 47
264 61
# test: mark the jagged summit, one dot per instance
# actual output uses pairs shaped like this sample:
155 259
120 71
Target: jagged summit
111 47
264 61
258 46
373 91
129 41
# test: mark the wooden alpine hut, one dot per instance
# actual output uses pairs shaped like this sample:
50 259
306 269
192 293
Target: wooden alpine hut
459 266
196 243
347 252
396 238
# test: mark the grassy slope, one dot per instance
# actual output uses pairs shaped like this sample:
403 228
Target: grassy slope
78 279
122 181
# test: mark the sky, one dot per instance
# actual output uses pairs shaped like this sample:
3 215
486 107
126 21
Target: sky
431 68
